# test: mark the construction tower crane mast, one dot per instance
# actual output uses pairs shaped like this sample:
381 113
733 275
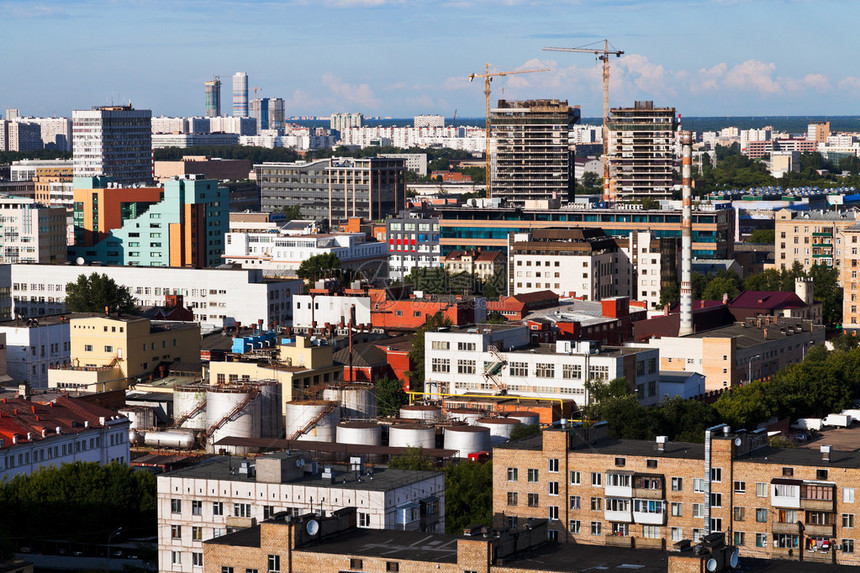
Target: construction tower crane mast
603 56
488 77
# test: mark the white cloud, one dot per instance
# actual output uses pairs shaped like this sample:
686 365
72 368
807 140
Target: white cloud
360 94
816 82
706 80
753 75
850 83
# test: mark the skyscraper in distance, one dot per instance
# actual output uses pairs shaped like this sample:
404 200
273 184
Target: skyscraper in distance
276 113
212 91
240 94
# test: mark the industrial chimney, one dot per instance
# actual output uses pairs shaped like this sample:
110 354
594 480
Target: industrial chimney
686 327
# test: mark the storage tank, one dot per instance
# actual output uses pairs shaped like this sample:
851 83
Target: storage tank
178 438
314 420
223 420
467 440
421 412
141 417
271 416
363 433
135 437
188 399
465 415
357 401
411 436
500 428
524 416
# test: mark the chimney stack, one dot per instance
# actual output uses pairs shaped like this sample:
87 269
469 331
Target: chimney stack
825 453
686 327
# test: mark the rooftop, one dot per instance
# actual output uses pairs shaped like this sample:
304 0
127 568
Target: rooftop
746 334
412 545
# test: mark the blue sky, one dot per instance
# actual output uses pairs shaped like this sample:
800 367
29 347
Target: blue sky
403 57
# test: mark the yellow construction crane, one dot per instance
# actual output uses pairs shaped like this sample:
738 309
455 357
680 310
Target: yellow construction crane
603 56
488 77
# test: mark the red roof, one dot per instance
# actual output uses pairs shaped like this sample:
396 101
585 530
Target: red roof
767 300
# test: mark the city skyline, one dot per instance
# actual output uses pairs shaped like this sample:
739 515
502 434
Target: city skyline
400 58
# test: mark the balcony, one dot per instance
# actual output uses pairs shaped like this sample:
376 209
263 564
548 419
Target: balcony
828 505
820 556
785 553
790 528
785 493
648 543
819 530
618 484
648 486
649 512
618 515
645 493
240 522
618 541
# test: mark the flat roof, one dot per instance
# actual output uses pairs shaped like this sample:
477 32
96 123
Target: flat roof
408 545
383 479
751 335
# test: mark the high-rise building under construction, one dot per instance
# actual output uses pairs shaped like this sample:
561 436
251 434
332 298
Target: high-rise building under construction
533 158
212 103
642 151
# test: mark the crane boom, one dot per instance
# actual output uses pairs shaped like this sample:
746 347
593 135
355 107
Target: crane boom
603 56
488 77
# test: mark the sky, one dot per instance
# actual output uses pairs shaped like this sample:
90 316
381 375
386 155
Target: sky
399 58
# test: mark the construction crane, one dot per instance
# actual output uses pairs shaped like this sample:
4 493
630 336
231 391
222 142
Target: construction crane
603 56
488 77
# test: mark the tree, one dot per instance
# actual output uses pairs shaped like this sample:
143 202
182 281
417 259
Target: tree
319 266
649 203
97 293
390 396
496 318
416 351
768 280
413 459
496 285
763 236
720 286
468 495
670 294
523 431
292 212
591 183
825 280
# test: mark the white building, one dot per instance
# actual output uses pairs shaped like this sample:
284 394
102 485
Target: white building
413 241
428 121
224 494
237 125
35 345
115 141
415 162
34 435
493 358
342 121
218 297
19 135
25 169
644 257
186 140
466 138
286 252
55 132
315 311
31 232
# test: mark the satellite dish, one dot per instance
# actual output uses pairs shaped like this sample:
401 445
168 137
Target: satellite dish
80 261
738 442
711 565
733 559
313 527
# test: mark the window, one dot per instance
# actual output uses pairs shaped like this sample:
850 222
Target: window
553 513
176 558
760 489
175 532
512 498
698 485
761 515
175 506
677 484
716 500
596 478
738 513
575 478
575 526
595 527
761 539
356 564
533 475
821 474
552 535
512 474
651 532
553 465
533 500
847 495
847 546
242 510
697 534
440 365
108 348
717 474
196 533
363 519
788 472
217 508
677 509
848 520
651 463
618 480
596 502
553 488
197 559
88 347
519 369
677 534
465 366
196 507
740 487
619 463
698 510
575 502
738 537
545 370
225 569
275 564
571 371
439 345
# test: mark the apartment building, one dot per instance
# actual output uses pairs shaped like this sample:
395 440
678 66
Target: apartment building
30 232
772 503
501 359
53 186
413 242
334 188
532 156
642 153
580 263
311 311
218 297
848 267
483 265
809 238
114 141
67 430
210 168
35 345
224 494
652 265
110 352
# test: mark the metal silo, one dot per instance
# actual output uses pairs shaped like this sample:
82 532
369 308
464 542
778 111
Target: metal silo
357 401
188 406
271 416
467 440
421 412
465 415
314 420
500 428
362 433
411 436
232 411
524 416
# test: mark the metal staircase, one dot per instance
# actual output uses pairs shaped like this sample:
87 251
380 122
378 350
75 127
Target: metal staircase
307 428
252 393
494 369
185 417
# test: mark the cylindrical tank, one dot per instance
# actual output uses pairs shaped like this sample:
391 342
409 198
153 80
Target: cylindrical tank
187 399
421 412
363 433
467 440
524 416
222 419
271 417
465 415
141 417
500 428
135 437
176 438
314 420
411 436
357 401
